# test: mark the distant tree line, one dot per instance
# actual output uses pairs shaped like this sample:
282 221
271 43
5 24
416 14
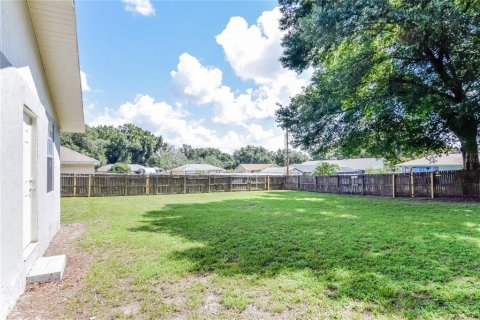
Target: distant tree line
131 144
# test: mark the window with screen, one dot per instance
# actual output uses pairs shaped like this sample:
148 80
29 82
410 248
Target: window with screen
50 148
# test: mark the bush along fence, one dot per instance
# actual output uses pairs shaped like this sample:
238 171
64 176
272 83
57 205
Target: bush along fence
98 185
444 184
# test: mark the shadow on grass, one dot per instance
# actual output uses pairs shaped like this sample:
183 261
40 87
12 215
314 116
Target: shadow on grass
407 257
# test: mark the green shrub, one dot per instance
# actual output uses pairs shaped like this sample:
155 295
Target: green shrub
326 169
120 168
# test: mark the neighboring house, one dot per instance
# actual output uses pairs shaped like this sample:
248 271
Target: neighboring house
40 95
195 169
443 162
75 162
304 169
346 166
280 171
253 167
135 168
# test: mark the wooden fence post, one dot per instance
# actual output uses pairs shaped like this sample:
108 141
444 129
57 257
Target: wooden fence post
156 185
298 183
479 184
74 185
230 183
338 183
363 184
208 183
147 184
268 183
125 191
432 186
185 183
412 191
89 185
249 186
393 185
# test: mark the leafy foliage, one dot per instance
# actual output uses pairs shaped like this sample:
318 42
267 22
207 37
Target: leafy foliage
391 78
132 144
326 169
252 154
120 167
127 143
385 169
211 156
293 155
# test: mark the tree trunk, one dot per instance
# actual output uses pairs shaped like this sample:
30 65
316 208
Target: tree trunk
469 148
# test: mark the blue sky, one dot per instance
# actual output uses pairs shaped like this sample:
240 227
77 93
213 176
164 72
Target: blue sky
204 73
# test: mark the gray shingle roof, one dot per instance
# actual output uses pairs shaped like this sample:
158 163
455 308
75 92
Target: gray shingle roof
198 167
256 166
356 164
452 159
133 167
73 157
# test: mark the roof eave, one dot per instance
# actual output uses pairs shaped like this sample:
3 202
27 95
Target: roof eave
56 34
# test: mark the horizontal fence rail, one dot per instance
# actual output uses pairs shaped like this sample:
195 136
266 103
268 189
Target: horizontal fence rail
100 185
443 184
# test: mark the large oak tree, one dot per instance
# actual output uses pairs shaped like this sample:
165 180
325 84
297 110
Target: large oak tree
391 77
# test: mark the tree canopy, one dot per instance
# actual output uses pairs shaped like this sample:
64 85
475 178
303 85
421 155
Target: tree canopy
108 144
120 167
326 169
212 156
131 144
253 154
391 78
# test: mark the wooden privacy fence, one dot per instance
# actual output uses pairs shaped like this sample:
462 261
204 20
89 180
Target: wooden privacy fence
442 184
98 185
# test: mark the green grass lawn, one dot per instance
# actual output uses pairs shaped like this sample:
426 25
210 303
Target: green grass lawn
278 255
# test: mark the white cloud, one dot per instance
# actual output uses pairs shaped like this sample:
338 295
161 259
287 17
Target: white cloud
194 81
143 7
84 82
203 85
254 51
173 124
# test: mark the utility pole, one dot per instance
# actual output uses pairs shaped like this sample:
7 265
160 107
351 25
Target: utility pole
287 156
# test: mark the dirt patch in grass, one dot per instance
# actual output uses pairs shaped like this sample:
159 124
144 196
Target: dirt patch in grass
50 300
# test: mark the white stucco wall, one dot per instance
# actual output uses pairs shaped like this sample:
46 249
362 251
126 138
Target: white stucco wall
23 84
77 168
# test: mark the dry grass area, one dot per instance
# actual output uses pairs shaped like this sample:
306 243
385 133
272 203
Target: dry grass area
50 300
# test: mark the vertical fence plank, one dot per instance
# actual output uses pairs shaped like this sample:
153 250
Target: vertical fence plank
432 185
147 184
74 185
412 186
393 185
363 184
89 186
